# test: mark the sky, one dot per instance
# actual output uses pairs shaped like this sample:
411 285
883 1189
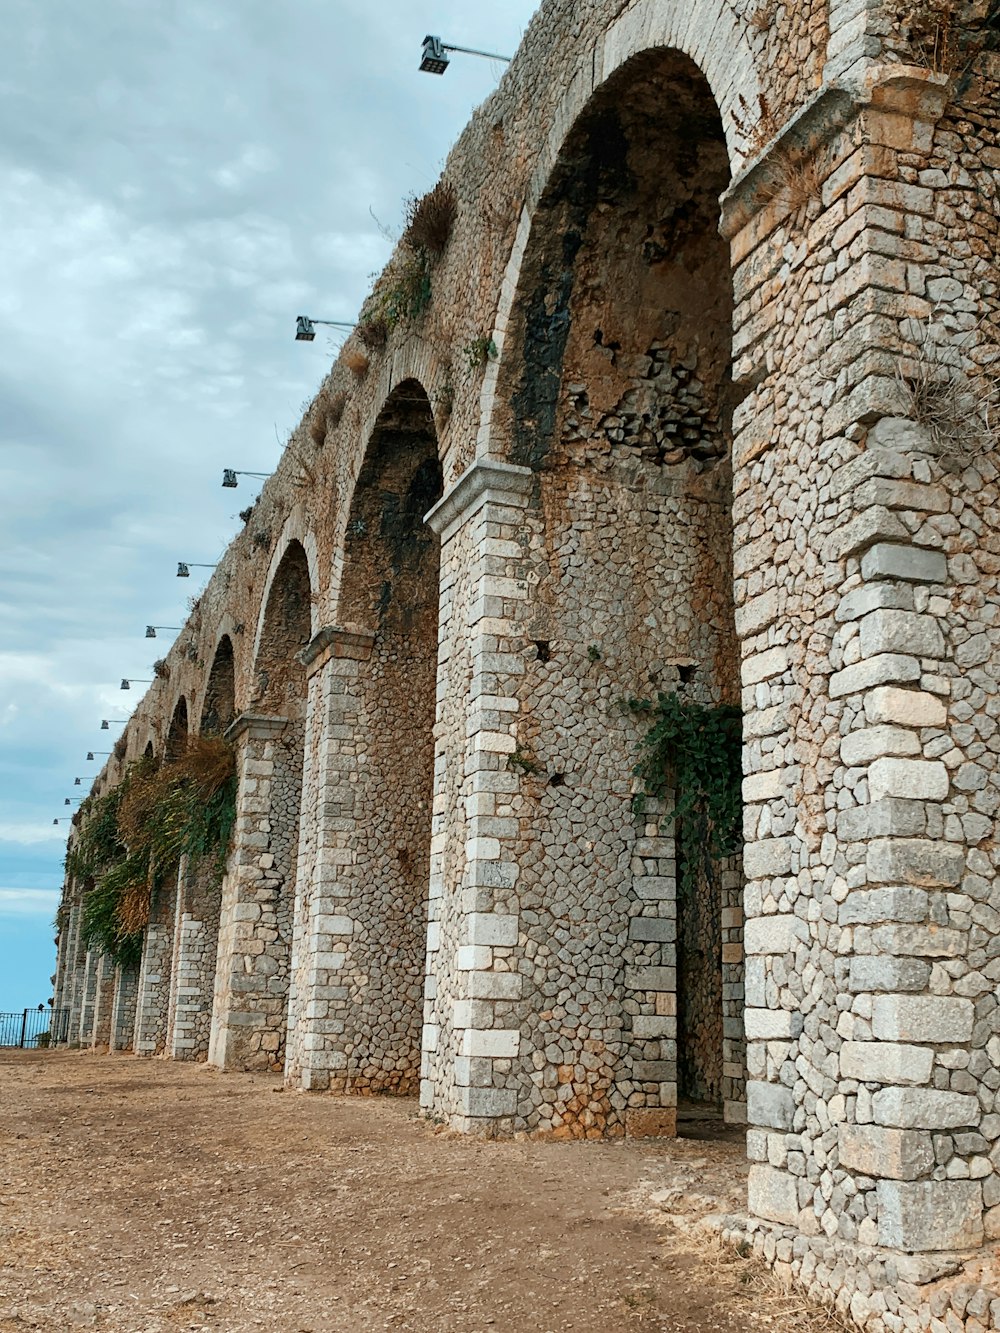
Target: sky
178 181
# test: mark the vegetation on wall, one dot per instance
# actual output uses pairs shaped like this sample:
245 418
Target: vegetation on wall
693 754
131 839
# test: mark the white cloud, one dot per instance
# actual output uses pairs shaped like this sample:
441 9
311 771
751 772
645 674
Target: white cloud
28 902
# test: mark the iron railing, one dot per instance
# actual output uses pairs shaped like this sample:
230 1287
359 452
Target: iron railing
34 1028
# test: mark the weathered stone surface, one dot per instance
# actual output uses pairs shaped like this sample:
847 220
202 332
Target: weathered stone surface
885 1062
896 1154
934 1018
930 1214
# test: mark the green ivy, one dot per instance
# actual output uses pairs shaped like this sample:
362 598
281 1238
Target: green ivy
131 840
694 754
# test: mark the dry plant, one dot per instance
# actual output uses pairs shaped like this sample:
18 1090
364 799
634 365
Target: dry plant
373 331
757 125
161 669
952 389
762 18
431 219
335 405
356 361
757 1294
930 28
798 179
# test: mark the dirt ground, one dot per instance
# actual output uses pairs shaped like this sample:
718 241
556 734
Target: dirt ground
142 1196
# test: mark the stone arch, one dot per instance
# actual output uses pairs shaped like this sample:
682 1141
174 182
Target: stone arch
711 36
295 532
219 706
177 732
366 994
615 391
250 1012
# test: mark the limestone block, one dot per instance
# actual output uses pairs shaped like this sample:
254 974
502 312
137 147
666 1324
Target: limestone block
495 985
651 1027
876 1150
915 564
913 779
897 493
885 817
861 747
930 1214
915 861
770 1105
872 597
769 856
904 708
869 972
887 668
762 666
487 1102
757 613
496 1043
772 1024
927 941
876 524
651 978
772 1194
492 928
772 934
886 1062
924 1108
932 1018
889 631
652 929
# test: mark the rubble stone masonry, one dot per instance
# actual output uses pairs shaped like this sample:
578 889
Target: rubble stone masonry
701 402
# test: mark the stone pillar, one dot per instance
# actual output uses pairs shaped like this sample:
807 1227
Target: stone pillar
73 990
153 997
67 986
195 949
252 975
104 991
88 992
331 883
123 1008
869 673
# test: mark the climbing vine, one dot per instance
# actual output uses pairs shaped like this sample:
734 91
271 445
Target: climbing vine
131 839
693 753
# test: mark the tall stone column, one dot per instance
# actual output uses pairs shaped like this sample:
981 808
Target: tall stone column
196 931
251 981
88 992
123 1008
869 697
68 991
153 998
332 885
104 992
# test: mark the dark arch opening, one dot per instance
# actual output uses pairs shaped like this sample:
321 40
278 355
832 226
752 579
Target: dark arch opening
391 589
619 396
219 707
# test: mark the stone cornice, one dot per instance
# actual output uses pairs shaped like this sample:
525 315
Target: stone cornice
336 641
257 726
906 92
488 480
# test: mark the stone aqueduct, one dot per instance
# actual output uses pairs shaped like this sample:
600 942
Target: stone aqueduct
707 244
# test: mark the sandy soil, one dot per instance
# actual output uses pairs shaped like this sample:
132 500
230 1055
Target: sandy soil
143 1196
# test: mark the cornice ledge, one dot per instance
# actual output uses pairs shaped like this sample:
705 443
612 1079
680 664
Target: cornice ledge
488 480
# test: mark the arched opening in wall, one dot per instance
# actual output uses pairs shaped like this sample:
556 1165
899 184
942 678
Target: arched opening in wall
177 733
390 592
219 707
196 939
273 763
156 985
620 399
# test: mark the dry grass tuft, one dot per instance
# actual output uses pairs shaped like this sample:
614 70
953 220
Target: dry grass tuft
318 422
431 219
374 331
133 908
796 179
356 361
952 389
762 18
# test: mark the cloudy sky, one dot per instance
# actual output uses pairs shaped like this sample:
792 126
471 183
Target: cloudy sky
178 180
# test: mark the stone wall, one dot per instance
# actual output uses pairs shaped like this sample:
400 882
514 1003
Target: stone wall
656 457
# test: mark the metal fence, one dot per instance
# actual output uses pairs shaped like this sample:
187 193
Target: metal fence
34 1028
